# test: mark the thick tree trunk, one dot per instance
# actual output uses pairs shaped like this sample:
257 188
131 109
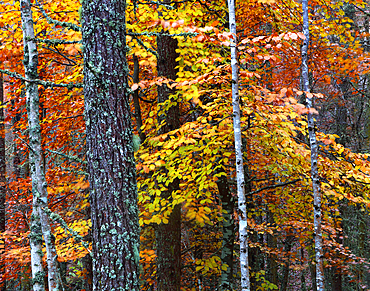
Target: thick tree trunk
110 154
40 222
228 235
168 235
2 175
314 153
243 235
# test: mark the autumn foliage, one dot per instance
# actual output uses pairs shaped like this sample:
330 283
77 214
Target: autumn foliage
201 152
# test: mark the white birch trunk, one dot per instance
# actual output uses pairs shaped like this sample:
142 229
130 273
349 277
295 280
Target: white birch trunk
314 150
242 208
40 220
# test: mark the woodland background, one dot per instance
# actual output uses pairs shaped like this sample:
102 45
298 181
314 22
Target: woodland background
180 92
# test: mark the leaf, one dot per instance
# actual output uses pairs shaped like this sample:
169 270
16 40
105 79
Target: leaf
134 87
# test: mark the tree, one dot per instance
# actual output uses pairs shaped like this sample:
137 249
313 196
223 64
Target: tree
40 221
314 153
242 207
109 141
168 235
2 177
192 165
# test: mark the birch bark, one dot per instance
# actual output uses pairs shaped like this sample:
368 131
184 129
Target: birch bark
314 150
40 222
2 177
242 208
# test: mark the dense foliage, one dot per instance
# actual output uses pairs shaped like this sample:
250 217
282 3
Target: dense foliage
190 167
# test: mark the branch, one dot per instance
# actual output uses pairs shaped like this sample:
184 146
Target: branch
55 50
362 10
144 46
273 186
56 217
50 20
46 84
149 33
67 156
158 3
53 41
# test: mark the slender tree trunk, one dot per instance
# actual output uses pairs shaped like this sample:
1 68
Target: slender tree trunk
272 267
110 154
341 113
228 235
303 272
312 270
40 223
243 235
313 146
139 121
168 235
285 271
16 155
2 175
362 242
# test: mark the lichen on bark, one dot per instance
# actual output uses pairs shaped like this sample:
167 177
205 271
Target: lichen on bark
110 153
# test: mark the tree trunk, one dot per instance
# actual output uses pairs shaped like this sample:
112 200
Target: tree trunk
243 235
40 222
168 235
272 267
2 176
285 271
109 141
139 121
313 146
228 235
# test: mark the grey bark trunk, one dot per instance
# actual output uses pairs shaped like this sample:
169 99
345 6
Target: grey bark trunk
243 235
110 153
314 153
168 235
40 222
2 175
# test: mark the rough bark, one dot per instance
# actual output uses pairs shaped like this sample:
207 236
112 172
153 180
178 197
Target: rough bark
168 235
40 222
243 235
2 175
228 236
314 153
109 141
